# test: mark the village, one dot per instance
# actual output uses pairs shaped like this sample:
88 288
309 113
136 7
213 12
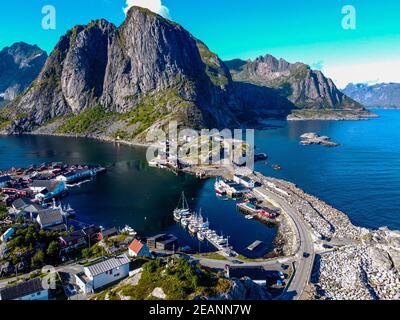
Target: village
37 230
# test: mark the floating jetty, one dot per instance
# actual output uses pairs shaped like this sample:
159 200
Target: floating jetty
254 245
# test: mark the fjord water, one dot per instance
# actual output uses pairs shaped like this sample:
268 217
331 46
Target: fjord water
360 178
133 193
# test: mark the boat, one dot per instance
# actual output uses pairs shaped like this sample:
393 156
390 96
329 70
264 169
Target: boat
182 211
69 211
129 230
200 236
219 189
276 167
184 222
249 217
193 228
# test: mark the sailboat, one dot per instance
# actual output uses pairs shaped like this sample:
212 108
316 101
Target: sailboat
182 211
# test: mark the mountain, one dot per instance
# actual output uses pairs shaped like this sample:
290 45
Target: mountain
104 80
381 95
20 64
308 92
128 81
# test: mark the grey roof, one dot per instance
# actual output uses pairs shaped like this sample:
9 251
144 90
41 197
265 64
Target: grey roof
108 265
50 216
21 289
244 178
50 185
21 203
254 273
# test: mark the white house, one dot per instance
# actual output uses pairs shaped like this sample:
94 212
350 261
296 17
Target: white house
138 249
48 218
28 290
244 181
103 274
47 189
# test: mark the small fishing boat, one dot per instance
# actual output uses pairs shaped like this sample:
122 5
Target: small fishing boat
192 228
184 222
249 217
183 208
219 189
200 236
129 230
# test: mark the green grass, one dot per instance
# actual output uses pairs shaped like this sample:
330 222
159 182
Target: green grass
86 122
212 255
179 281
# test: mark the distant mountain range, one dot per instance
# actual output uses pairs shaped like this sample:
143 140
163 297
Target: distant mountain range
108 81
381 95
20 64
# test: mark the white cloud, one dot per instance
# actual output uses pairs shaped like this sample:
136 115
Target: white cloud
371 72
153 5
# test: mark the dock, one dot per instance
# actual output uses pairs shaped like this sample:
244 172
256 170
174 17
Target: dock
254 245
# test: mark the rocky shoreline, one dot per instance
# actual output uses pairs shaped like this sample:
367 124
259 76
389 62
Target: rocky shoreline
313 138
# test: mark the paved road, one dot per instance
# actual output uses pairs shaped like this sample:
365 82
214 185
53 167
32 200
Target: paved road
303 266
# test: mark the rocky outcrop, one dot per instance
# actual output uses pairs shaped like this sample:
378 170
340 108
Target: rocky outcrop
297 84
20 64
244 289
313 138
380 95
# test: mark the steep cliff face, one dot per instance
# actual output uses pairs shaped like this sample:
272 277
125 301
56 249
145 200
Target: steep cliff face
142 74
20 64
302 87
380 95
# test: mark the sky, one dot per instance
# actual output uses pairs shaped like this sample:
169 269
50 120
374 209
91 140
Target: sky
310 31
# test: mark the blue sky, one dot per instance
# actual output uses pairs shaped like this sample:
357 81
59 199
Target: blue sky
309 31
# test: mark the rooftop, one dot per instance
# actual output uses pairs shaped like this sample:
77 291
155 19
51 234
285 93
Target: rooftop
21 289
108 264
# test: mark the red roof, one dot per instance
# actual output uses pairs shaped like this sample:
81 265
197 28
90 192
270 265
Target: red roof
136 246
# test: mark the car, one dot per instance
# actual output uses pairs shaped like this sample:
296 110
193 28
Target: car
306 255
237 262
70 289
327 246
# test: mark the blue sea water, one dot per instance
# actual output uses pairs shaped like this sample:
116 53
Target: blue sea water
361 178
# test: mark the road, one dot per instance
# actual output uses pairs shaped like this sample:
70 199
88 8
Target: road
303 265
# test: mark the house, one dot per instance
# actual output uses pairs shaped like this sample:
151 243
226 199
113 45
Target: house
103 274
73 241
107 233
21 203
49 218
257 274
4 181
163 242
7 235
29 290
91 233
47 189
138 249
244 181
76 175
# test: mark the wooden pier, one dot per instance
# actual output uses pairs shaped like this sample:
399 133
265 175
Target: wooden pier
254 245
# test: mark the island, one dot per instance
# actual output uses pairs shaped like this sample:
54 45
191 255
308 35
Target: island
313 138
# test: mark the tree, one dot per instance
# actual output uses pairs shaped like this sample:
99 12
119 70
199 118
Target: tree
53 249
38 259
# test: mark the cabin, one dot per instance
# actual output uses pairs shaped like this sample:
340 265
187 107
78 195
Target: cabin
7 235
73 241
45 190
163 242
244 181
4 181
103 274
50 219
139 249
107 234
257 274
28 290
75 176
